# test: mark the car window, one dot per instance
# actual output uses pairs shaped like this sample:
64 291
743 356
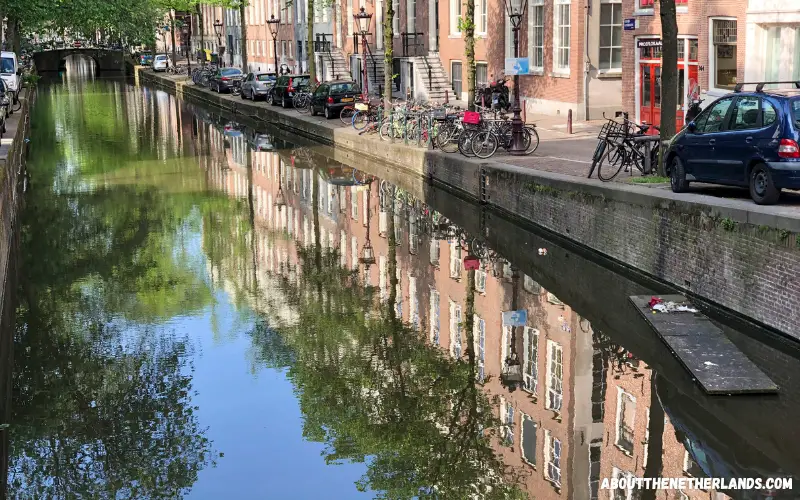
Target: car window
230 72
745 114
300 81
7 65
322 89
341 88
714 117
768 113
796 112
266 78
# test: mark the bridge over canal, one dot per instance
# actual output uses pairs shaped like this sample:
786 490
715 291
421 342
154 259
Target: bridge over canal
55 60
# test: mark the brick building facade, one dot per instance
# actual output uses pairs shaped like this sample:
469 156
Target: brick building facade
711 53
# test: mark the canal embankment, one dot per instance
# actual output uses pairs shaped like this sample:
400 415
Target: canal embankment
13 154
730 252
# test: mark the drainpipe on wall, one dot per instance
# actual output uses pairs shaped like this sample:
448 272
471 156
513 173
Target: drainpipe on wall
586 64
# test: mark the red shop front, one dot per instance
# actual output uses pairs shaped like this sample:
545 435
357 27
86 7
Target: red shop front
649 78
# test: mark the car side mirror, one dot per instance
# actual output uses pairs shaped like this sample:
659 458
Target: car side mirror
19 72
691 127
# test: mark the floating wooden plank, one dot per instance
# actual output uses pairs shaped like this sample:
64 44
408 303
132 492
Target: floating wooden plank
712 359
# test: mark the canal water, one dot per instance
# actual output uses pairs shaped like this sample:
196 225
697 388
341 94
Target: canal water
211 309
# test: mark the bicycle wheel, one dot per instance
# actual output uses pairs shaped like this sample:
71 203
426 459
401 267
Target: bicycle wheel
534 140
384 131
465 143
347 114
611 163
360 119
484 144
16 105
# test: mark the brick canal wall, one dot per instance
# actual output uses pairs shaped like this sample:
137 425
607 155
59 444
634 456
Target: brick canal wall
13 153
745 260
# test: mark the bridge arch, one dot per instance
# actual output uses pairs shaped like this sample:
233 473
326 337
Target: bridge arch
48 61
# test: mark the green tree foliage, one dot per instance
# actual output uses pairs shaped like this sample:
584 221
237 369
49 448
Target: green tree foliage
374 391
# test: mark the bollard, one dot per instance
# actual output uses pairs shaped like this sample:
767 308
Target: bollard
431 124
569 122
405 126
446 96
483 102
524 114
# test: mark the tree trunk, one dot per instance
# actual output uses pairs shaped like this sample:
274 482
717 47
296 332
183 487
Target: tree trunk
469 51
243 22
669 73
655 439
172 32
13 41
388 57
312 60
201 27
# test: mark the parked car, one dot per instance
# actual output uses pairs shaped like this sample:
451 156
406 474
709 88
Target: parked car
331 97
160 62
257 85
225 79
10 71
747 139
145 58
285 88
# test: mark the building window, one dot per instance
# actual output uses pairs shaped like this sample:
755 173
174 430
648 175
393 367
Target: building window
455 330
622 493
434 316
413 302
645 4
599 385
561 35
383 277
455 78
299 49
455 17
354 203
411 16
531 286
480 281
434 253
507 422
482 13
536 41
552 459
396 17
611 35
455 260
481 75
595 453
528 440
530 361
350 19
555 376
626 415
723 53
479 334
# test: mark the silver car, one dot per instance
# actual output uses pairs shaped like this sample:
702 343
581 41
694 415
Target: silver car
160 62
257 85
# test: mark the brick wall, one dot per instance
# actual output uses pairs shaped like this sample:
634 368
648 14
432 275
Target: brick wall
734 265
694 21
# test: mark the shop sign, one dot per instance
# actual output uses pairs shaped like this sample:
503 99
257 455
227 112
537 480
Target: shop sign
648 42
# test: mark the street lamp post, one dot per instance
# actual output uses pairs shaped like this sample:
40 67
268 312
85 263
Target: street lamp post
220 49
273 29
515 10
364 19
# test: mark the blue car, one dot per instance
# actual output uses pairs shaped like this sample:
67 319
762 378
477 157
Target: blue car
747 139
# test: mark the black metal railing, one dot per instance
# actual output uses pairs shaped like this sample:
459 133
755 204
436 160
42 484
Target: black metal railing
413 44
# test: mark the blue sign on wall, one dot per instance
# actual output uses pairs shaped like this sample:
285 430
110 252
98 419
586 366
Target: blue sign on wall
515 318
629 24
517 66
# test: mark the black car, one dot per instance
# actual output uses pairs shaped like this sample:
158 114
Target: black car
225 79
285 88
331 97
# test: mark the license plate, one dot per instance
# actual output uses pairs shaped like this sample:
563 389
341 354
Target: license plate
347 99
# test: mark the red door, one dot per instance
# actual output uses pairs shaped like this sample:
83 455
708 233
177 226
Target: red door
650 110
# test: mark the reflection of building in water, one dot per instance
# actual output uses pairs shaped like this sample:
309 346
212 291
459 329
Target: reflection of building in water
583 412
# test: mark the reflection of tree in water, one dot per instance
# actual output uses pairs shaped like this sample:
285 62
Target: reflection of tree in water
374 391
102 394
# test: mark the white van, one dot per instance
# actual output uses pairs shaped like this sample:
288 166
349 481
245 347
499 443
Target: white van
10 72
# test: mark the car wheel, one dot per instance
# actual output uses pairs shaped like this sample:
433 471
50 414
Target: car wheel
327 113
677 176
284 103
313 110
762 188
243 95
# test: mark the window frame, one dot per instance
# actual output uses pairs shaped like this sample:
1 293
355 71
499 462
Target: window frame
735 112
530 367
611 48
533 27
558 45
456 13
619 421
551 377
460 77
482 15
712 53
434 313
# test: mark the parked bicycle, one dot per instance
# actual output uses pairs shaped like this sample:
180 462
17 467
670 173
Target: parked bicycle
625 145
